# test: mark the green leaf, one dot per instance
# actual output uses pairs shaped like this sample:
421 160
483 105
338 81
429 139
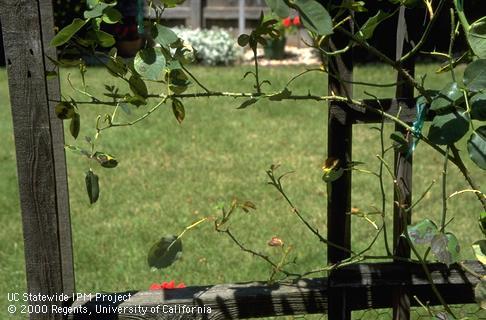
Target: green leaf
172 3
116 66
476 37
482 222
449 97
77 150
138 86
105 39
163 35
165 252
105 160
149 63
279 7
480 293
178 80
314 17
75 125
476 147
243 40
111 16
332 170
67 32
65 110
96 11
178 109
92 186
475 75
285 93
367 30
51 75
479 248
445 247
399 142
448 128
422 232
478 106
248 103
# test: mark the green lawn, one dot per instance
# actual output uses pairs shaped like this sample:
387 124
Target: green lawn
171 175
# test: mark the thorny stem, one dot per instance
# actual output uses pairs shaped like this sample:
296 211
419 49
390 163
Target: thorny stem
444 190
460 164
276 182
426 33
257 80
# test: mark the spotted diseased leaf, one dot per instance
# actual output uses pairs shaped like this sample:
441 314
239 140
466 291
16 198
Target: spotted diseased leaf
475 75
314 16
445 247
178 109
165 252
332 170
448 128
75 125
149 63
65 110
92 186
480 294
422 232
68 32
479 248
105 160
476 147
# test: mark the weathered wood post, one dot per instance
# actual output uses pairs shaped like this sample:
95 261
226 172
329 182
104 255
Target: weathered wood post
339 146
28 27
403 172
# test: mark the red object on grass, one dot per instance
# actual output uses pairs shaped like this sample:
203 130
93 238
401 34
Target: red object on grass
167 285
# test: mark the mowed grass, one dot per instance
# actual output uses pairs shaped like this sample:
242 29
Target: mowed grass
171 175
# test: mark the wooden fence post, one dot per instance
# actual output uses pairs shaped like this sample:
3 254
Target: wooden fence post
403 173
339 139
27 29
196 18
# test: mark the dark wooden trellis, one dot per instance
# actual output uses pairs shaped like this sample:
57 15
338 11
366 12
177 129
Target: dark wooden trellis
27 29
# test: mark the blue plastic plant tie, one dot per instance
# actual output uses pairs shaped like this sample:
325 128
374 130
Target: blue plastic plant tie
140 16
418 124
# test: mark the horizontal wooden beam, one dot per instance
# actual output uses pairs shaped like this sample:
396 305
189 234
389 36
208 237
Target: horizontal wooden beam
370 285
228 13
225 301
366 286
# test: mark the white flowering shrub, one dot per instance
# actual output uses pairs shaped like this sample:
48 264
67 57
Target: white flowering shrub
213 46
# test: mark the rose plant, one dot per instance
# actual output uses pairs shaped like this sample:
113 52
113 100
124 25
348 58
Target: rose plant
458 112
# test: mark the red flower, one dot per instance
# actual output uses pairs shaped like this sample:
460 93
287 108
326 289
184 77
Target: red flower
296 21
167 285
287 22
